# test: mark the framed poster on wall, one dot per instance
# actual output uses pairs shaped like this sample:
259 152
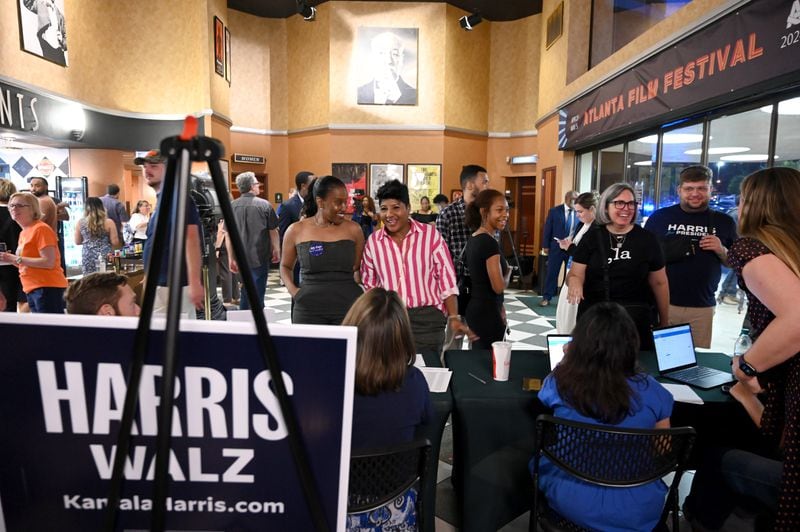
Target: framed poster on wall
380 173
43 31
219 47
228 55
387 66
424 180
354 176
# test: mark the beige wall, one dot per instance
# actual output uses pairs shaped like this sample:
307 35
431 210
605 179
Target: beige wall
466 73
514 74
157 65
309 69
220 91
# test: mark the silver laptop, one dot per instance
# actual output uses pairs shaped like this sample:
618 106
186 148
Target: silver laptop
555 347
677 359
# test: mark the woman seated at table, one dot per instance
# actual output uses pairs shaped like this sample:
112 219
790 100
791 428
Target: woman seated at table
391 403
598 382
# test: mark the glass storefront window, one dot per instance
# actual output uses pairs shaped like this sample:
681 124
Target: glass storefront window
682 148
738 146
787 141
641 173
615 23
611 166
585 172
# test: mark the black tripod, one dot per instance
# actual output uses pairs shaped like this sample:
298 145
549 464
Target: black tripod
516 268
175 195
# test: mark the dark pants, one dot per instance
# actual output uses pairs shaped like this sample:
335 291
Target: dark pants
260 279
228 281
427 327
47 300
11 287
555 259
729 478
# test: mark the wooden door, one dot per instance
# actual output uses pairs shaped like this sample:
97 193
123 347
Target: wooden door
525 219
546 200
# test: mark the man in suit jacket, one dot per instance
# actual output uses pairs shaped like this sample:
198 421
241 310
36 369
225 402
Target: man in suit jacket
561 223
289 211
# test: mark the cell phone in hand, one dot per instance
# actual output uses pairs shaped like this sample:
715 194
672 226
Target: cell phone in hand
3 247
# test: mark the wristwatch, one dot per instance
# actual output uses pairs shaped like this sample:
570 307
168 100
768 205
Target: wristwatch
746 368
19 260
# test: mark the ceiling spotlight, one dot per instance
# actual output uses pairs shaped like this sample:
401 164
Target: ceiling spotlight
308 12
470 22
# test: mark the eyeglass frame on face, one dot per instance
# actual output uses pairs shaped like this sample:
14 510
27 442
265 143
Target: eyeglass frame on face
620 205
17 205
704 189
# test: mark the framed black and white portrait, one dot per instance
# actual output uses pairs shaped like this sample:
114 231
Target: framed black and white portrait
43 30
381 173
389 57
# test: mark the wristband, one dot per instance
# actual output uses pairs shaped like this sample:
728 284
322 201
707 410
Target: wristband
454 317
746 368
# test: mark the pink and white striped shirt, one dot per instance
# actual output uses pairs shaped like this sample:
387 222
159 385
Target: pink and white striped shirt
420 270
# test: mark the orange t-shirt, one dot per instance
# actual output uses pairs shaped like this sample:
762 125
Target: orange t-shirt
31 240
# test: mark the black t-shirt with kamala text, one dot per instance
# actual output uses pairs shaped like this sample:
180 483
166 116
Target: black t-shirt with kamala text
629 265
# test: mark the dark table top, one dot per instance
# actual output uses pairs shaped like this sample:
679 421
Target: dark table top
536 364
494 424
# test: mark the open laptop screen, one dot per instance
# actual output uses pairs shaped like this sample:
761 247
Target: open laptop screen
555 347
674 347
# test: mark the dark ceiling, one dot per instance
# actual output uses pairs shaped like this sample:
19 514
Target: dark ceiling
496 10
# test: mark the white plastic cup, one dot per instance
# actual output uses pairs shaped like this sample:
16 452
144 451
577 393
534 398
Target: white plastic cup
501 360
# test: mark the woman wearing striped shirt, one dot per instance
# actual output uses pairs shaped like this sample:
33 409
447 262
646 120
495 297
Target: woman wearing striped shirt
413 260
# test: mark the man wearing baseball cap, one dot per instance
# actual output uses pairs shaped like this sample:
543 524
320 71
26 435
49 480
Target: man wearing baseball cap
155 166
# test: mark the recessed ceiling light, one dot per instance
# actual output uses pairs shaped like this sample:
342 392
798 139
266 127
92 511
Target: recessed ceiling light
643 163
673 138
717 151
745 158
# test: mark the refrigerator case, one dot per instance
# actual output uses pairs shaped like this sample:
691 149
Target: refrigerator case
74 191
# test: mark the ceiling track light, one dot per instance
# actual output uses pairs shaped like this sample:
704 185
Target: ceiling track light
469 22
308 12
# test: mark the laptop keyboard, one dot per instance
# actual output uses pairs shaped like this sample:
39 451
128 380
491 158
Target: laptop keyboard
694 374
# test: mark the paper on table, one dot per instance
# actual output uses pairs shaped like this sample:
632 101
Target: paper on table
419 362
683 393
437 378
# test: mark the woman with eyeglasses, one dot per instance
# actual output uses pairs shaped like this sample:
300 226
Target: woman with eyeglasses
37 256
619 261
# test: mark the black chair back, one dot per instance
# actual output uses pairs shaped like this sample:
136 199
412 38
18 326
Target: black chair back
379 476
613 457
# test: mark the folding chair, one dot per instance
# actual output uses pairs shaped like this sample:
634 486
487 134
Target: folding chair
611 457
379 476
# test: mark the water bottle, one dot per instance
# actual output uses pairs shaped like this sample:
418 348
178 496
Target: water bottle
743 343
101 264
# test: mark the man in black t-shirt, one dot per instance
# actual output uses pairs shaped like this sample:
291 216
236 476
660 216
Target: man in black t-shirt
694 276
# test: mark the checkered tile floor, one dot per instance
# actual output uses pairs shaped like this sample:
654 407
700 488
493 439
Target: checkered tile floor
528 330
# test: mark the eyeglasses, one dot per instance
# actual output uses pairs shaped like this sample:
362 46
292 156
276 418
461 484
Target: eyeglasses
689 190
17 205
619 204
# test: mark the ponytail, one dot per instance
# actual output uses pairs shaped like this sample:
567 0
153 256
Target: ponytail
319 187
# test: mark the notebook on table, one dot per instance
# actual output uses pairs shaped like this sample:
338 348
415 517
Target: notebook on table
555 347
677 359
